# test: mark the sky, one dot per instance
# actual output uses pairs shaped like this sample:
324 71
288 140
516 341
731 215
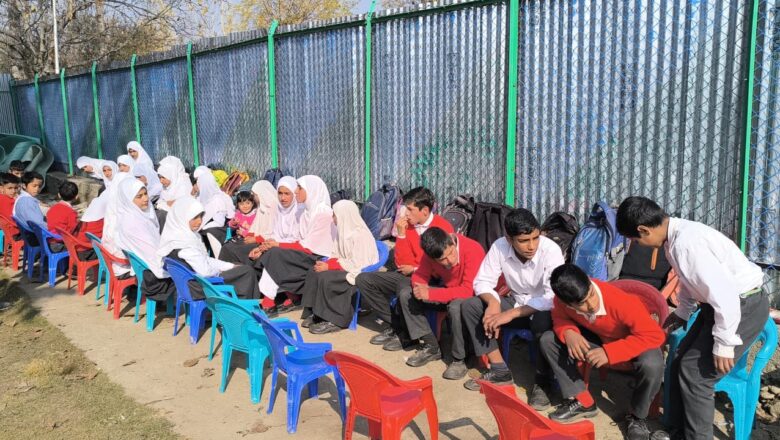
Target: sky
361 7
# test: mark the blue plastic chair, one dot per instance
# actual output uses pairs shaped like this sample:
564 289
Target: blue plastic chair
508 334
383 252
55 260
303 363
742 384
30 251
102 270
139 266
181 275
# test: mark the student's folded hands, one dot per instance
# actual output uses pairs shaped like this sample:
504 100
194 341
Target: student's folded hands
597 357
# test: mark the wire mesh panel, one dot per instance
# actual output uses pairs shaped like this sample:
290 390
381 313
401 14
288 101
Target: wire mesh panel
81 116
116 112
320 106
631 98
28 112
163 107
438 116
7 116
231 98
54 122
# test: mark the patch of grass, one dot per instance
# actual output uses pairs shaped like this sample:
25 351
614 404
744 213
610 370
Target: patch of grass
50 390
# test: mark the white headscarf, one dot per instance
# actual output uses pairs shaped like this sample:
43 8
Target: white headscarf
218 206
317 229
355 246
96 209
126 160
177 233
143 156
114 170
172 169
138 232
96 164
111 218
207 184
267 209
287 228
145 167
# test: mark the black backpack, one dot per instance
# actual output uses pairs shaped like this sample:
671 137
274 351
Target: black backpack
273 175
487 223
379 211
342 194
561 228
459 212
645 264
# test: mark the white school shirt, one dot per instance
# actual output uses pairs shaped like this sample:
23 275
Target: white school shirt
529 282
712 270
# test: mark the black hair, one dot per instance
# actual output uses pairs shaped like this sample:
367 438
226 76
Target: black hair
638 211
16 165
68 191
520 221
29 176
6 178
420 197
570 283
435 241
193 180
244 196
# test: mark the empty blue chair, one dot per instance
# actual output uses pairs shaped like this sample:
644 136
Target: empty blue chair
383 252
303 364
30 251
139 266
55 260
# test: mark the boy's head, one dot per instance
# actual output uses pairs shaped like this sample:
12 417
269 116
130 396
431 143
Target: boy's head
32 183
643 221
523 232
9 184
419 204
69 191
572 286
16 168
440 247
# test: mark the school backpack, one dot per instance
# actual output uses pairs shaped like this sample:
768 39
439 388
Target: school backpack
273 175
342 194
646 264
561 228
380 209
598 248
487 223
459 212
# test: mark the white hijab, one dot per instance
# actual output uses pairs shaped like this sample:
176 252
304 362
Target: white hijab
207 184
138 232
143 156
145 167
114 170
267 209
172 169
96 164
96 209
317 229
355 246
176 233
111 218
218 206
127 161
287 227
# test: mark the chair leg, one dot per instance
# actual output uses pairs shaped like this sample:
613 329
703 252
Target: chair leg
151 308
117 293
256 377
340 389
138 296
272 395
314 388
227 352
391 430
433 421
374 430
176 318
81 280
353 323
70 275
213 333
349 426
196 322
294 389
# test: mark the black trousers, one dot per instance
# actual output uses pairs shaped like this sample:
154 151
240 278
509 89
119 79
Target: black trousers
648 371
287 267
377 288
157 289
693 374
472 311
329 296
237 252
416 322
242 278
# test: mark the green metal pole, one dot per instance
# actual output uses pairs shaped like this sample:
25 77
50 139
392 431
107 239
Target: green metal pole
96 107
272 95
511 113
40 111
748 128
135 99
367 134
195 154
65 118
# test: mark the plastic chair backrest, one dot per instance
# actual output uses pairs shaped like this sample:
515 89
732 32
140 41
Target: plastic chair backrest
181 276
43 237
768 337
233 319
25 230
98 251
138 265
278 339
208 288
70 243
383 252
8 226
108 258
650 296
93 237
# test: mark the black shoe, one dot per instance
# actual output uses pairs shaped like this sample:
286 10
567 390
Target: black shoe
424 354
663 435
393 344
308 321
456 370
637 428
382 338
271 312
503 377
364 311
538 399
323 327
571 410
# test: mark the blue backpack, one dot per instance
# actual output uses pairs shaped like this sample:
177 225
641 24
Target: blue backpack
379 211
598 248
273 175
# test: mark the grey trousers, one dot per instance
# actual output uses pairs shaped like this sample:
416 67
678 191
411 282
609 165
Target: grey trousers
648 371
693 374
377 288
414 316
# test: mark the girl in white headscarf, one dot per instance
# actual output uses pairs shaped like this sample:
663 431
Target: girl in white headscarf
180 240
328 290
125 163
144 167
92 221
217 205
267 210
93 167
111 220
287 227
109 170
175 181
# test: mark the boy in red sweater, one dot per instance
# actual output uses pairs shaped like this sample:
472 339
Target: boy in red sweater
62 215
451 262
598 323
378 288
9 187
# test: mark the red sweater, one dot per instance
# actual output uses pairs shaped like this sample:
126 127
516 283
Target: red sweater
7 206
95 228
408 250
459 280
62 216
626 331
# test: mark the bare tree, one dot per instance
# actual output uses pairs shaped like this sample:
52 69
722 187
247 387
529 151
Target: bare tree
391 4
254 14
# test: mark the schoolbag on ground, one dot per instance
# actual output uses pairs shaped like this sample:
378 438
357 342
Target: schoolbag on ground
379 211
342 194
598 248
487 223
561 228
459 212
646 264
273 175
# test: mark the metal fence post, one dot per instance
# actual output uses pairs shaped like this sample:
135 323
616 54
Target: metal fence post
15 105
65 119
743 214
190 85
135 99
511 111
367 154
96 109
272 95
40 111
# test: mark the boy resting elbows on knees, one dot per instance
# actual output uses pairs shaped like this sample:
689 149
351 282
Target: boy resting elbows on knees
597 323
714 273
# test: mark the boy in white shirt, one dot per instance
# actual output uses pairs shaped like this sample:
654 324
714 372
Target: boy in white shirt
714 273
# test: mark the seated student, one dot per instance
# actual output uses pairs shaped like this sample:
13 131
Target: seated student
110 169
245 213
526 259
714 273
452 260
17 168
92 221
9 187
378 288
180 240
62 215
27 209
329 287
217 205
266 212
144 169
125 164
600 324
175 181
91 167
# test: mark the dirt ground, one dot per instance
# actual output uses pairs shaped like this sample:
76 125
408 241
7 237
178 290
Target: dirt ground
151 367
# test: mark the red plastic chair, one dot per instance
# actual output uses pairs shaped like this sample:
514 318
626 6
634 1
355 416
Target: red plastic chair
72 243
387 402
9 232
518 421
116 286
